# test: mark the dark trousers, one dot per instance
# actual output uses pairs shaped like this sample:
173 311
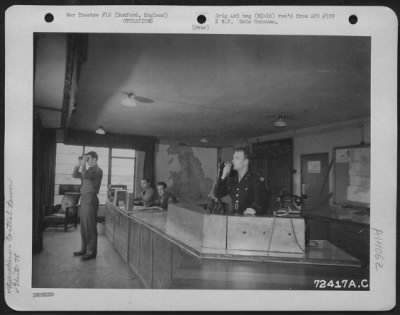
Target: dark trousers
88 219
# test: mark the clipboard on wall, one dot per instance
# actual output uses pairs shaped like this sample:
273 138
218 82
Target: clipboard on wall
352 175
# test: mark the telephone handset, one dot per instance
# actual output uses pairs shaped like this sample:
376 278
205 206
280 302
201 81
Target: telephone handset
222 164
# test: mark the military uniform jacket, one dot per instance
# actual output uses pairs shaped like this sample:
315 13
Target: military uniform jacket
248 193
162 201
149 195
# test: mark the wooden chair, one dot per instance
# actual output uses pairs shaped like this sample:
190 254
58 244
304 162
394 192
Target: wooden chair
64 214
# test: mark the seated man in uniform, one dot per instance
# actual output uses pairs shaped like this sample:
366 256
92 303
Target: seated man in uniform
163 196
149 194
246 188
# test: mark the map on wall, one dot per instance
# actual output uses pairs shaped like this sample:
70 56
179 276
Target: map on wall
188 171
352 175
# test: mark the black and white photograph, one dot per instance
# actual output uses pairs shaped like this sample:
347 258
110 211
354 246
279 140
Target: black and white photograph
218 162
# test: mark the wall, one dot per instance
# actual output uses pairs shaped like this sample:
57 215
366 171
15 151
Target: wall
325 142
321 139
225 154
189 172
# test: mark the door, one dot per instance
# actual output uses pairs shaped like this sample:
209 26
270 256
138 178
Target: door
315 180
315 186
274 161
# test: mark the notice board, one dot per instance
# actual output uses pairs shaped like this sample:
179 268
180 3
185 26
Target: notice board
352 175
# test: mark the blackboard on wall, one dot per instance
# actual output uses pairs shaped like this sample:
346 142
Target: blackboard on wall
352 175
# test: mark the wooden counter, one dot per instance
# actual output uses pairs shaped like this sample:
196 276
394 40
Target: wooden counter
147 243
346 228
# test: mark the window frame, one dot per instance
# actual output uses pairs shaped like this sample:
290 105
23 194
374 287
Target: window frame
110 159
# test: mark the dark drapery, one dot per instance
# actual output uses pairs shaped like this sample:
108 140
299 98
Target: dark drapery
37 240
44 160
149 161
139 143
48 165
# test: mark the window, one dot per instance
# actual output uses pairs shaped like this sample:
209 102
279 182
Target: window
123 168
118 167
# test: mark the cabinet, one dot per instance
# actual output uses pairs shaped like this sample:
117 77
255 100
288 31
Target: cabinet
353 238
109 223
121 235
134 246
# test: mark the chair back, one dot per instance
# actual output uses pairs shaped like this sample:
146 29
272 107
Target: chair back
67 188
70 199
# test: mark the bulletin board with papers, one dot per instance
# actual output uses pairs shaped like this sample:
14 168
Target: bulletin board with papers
352 175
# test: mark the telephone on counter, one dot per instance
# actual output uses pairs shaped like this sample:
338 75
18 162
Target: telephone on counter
289 204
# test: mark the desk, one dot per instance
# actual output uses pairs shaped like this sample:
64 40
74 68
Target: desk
346 228
162 260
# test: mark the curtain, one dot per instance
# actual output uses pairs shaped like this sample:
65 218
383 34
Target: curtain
44 160
139 171
149 161
37 240
48 166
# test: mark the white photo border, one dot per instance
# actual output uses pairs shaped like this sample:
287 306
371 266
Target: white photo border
380 23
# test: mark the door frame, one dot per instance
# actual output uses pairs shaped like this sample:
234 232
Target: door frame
289 140
301 168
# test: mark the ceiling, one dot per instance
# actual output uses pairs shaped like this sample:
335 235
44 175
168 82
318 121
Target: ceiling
223 87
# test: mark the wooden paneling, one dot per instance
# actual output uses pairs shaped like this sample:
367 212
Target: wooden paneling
109 223
162 262
121 235
134 246
352 238
146 257
214 231
177 259
266 234
319 229
248 234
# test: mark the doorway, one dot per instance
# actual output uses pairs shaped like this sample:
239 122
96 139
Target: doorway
315 180
274 161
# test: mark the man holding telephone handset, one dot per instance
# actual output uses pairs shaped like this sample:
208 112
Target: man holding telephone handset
90 174
246 188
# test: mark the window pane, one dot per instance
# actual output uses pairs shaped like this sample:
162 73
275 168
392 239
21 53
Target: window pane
123 172
123 169
123 153
64 149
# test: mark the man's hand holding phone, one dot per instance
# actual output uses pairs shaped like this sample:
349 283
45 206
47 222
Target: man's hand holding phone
226 170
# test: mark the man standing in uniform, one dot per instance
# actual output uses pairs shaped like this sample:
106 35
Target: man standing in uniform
246 189
91 181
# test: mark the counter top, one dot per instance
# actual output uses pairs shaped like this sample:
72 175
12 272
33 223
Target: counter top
203 241
189 226
334 213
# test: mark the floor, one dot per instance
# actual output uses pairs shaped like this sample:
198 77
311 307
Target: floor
56 267
216 274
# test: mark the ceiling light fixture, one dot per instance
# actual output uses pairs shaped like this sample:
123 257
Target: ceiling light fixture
280 122
129 101
203 140
100 131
